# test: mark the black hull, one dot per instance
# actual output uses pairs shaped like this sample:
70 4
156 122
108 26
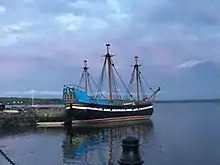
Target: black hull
93 114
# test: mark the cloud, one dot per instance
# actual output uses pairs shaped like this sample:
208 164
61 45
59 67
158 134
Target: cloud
17 27
13 28
71 21
43 47
15 33
189 64
2 10
28 1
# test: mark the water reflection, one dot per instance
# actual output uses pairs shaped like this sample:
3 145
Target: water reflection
101 145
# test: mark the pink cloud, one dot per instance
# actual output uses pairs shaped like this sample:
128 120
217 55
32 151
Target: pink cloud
73 55
161 56
13 68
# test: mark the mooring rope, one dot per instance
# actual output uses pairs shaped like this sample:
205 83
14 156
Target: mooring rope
6 157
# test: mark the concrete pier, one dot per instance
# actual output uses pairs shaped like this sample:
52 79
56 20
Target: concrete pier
50 124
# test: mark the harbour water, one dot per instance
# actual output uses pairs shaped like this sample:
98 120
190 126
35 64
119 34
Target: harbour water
177 134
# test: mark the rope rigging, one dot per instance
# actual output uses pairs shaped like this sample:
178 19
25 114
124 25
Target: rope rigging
132 76
96 86
140 77
115 86
103 73
90 86
146 82
81 79
122 80
99 87
117 91
86 77
114 91
142 88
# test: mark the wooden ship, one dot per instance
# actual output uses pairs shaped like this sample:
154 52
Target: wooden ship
96 108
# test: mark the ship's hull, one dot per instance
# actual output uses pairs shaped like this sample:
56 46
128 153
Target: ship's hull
102 114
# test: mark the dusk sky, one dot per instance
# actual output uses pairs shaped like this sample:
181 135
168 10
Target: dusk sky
43 44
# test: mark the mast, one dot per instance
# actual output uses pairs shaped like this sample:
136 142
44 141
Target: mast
108 57
85 68
137 77
32 98
110 68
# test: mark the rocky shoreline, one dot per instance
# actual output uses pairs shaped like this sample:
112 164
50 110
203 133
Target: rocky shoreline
24 119
31 118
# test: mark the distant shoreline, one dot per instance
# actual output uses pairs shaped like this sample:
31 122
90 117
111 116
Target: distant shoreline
189 101
28 101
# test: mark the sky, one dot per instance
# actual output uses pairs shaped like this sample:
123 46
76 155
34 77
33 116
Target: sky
43 44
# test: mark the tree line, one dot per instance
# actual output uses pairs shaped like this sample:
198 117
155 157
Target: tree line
28 101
